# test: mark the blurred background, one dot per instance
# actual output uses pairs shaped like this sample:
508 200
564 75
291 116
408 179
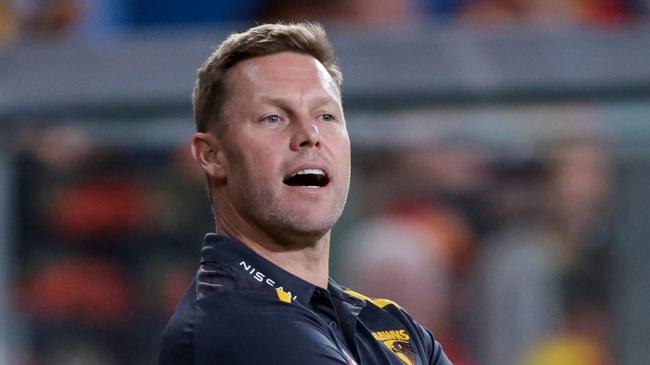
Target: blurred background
501 171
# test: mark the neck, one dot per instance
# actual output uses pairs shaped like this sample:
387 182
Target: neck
303 256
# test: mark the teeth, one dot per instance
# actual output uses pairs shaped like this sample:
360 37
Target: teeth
310 171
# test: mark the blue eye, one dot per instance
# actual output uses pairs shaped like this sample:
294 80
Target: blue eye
328 117
272 119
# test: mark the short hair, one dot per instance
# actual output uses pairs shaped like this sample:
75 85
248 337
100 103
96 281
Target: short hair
210 90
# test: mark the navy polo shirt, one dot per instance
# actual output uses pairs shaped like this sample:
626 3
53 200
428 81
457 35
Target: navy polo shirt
241 309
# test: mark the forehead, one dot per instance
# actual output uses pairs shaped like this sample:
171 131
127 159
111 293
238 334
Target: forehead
278 72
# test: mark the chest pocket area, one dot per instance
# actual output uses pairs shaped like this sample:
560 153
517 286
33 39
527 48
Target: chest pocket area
397 342
403 350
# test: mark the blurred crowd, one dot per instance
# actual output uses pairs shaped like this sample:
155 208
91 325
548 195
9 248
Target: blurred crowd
107 243
503 255
93 19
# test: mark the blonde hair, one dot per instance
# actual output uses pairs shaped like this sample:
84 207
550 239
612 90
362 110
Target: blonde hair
210 90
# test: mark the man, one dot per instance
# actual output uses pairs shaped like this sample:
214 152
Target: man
273 143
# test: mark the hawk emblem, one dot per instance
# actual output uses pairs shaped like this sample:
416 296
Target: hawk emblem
403 350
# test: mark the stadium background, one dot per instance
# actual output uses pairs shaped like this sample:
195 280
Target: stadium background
501 156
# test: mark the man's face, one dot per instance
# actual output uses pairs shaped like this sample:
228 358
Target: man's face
286 145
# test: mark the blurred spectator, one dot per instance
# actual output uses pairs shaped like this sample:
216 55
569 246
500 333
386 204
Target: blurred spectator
552 216
97 225
347 12
81 290
585 338
456 173
517 288
179 197
8 21
581 181
564 350
518 295
547 12
412 254
104 208
53 18
417 247
61 149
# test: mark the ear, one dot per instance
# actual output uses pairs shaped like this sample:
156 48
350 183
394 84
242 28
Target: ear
208 151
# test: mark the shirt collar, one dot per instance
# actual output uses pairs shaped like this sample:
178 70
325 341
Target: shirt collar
340 292
223 249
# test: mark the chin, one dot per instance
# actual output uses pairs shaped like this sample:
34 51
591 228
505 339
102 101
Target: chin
302 220
308 226
305 226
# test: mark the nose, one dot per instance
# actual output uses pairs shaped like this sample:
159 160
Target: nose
306 134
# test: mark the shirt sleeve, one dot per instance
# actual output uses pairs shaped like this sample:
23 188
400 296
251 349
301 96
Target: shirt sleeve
435 354
237 330
177 342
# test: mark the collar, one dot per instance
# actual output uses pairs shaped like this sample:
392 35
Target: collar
342 293
225 250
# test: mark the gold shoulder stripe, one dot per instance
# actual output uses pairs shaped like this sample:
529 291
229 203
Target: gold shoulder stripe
357 295
283 295
381 303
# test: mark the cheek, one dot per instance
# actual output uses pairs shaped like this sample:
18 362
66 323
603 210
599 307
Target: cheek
262 161
339 140
344 152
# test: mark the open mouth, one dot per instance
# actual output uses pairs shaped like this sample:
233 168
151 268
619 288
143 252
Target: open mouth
310 178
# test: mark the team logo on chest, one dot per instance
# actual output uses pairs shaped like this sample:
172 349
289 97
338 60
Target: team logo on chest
397 342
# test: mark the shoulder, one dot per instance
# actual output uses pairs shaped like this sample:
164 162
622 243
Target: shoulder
212 299
222 318
177 342
378 302
241 321
251 327
388 307
391 324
